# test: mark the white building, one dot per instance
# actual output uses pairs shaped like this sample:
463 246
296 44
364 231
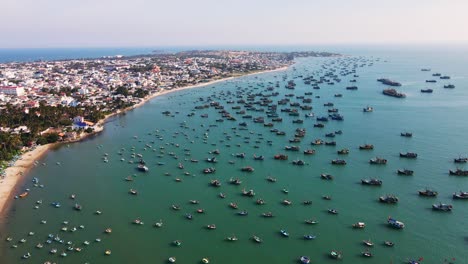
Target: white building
12 90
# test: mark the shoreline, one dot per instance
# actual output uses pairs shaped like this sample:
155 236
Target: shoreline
14 174
198 85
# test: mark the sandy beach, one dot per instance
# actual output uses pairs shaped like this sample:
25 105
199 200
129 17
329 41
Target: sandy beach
13 174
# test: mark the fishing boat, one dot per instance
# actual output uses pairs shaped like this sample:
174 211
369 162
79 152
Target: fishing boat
309 237
298 162
240 155
26 256
368 109
317 142
133 192
326 176
177 243
405 172
189 216
284 233
235 181
257 239
395 223
338 162
311 221
175 207
309 152
377 160
368 243
232 238
209 170
172 259
205 260
343 151
428 193
143 168
77 207
249 193
215 183
373 181
406 134
304 259
271 179
389 198
243 213
222 195
442 207
281 157
307 202
211 226
247 169
255 157
267 214
332 211
359 225
286 202
138 222
326 197
335 255
458 172
366 147
367 254
389 243
460 160
409 155
460 195
393 93
233 205
428 90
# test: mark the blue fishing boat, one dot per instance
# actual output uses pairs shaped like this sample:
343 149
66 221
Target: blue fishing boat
395 224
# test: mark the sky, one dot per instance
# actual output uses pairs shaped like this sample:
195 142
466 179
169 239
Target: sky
145 23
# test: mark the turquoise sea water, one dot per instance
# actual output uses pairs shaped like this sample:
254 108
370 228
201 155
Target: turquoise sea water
437 120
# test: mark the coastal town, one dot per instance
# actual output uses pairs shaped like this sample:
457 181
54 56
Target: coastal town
48 101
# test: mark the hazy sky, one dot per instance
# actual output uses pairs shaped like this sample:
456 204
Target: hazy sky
121 23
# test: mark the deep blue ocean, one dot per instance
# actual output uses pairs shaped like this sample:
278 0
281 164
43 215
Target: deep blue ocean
409 51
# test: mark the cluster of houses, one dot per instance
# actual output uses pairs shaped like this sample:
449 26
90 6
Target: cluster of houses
86 82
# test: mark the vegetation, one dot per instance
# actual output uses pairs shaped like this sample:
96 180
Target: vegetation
37 120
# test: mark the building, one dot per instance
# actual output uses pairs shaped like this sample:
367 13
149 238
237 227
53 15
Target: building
12 90
78 119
